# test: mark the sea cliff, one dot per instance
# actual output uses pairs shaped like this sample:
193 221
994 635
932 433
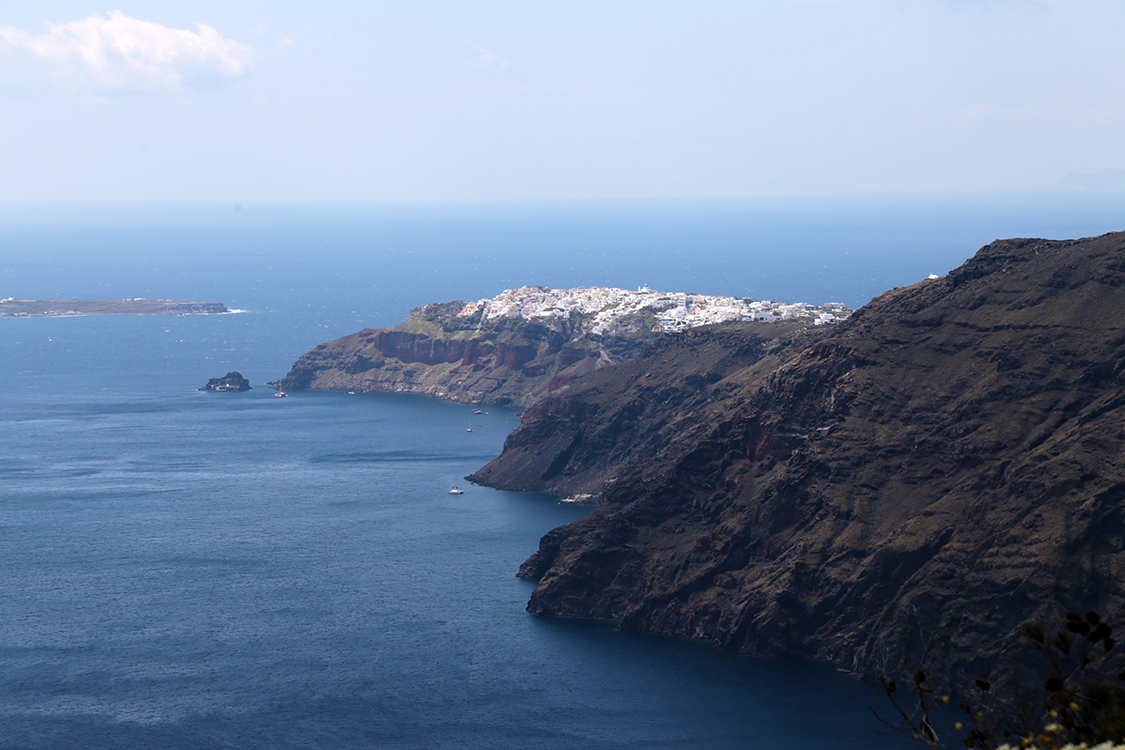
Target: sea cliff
904 491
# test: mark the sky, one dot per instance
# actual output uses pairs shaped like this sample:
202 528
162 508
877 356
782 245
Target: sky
532 99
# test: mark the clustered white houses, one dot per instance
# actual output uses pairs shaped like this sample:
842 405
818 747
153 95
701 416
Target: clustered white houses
674 311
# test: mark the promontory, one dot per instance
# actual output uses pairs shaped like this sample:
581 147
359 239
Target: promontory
512 348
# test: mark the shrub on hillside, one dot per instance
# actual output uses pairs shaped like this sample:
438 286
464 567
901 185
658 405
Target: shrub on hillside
1080 705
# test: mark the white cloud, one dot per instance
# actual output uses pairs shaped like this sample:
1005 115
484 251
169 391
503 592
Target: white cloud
487 60
121 53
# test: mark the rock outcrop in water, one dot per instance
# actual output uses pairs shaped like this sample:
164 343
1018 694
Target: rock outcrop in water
521 344
232 382
947 464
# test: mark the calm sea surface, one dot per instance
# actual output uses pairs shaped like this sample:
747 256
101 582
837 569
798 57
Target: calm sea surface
190 570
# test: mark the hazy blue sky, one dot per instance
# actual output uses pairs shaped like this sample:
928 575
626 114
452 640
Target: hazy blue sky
256 100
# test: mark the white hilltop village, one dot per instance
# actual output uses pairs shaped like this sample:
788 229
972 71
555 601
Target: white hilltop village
674 311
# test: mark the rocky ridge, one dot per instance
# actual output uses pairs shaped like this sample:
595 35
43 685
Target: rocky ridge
904 491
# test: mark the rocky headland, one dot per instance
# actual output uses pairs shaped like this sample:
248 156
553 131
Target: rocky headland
903 489
513 348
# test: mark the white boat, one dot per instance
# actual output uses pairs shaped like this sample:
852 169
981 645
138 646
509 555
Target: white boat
468 429
281 394
456 491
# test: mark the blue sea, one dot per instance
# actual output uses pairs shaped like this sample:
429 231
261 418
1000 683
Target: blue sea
194 570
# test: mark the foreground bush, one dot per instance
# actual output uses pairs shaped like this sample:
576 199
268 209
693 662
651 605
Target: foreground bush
1079 706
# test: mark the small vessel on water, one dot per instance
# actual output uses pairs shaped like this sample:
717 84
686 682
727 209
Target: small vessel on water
477 411
468 429
281 394
456 491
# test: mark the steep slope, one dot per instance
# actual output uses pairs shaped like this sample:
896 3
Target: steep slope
945 466
639 414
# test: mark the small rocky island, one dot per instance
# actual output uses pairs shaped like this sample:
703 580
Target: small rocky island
231 382
59 308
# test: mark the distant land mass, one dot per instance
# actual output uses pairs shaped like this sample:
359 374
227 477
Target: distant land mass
1105 180
57 308
512 348
899 491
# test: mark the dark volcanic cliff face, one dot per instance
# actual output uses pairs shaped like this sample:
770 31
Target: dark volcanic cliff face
946 466
439 353
639 413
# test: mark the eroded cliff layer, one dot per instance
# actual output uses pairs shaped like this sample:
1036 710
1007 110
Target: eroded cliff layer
946 465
